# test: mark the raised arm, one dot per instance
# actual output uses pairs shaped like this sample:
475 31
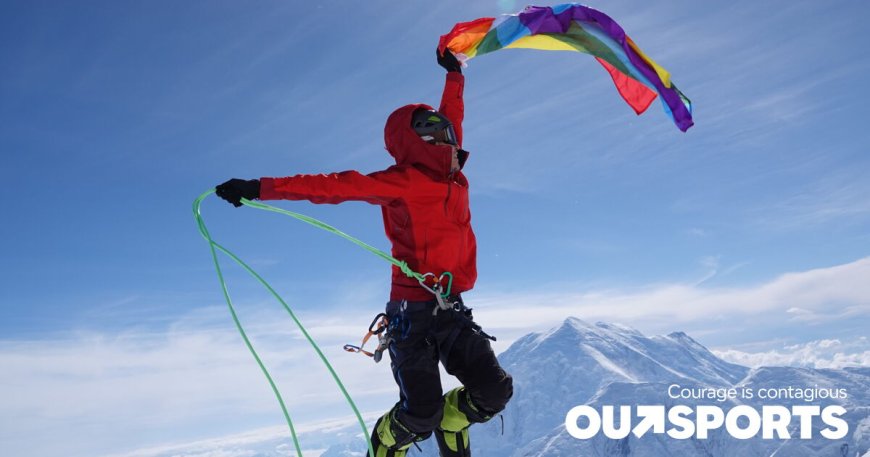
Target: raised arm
452 104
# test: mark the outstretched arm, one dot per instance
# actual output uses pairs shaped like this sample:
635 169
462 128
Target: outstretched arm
379 188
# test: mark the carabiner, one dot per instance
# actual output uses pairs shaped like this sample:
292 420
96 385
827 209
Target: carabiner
381 321
377 327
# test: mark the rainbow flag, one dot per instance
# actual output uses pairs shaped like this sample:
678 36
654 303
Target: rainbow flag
578 28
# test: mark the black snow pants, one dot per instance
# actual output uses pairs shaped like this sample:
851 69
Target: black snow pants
420 339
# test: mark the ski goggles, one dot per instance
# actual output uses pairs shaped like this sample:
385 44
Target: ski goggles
446 135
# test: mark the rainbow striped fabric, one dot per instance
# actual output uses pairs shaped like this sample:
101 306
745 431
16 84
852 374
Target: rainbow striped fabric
574 27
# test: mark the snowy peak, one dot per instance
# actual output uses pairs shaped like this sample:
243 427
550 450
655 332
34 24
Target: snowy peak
686 340
620 353
681 336
570 364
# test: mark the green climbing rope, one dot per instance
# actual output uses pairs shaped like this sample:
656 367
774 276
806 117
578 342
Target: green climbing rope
214 246
310 220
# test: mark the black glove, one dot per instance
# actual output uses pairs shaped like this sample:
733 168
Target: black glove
448 61
235 190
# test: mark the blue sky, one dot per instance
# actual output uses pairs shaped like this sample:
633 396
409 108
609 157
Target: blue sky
750 232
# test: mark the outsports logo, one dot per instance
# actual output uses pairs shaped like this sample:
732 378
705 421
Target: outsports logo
684 422
741 421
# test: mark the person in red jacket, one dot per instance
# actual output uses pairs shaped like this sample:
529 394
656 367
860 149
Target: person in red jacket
424 201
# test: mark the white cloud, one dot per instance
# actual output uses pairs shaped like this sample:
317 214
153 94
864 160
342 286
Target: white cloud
824 293
235 445
828 353
98 393
313 438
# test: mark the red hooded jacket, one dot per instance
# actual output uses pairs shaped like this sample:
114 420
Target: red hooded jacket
425 206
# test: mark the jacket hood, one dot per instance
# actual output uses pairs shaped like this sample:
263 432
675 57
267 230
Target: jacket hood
408 148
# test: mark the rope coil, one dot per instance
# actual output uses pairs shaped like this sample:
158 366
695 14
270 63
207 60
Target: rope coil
214 246
400 264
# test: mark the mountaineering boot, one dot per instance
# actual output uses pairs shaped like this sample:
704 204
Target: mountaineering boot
390 438
459 414
453 444
384 451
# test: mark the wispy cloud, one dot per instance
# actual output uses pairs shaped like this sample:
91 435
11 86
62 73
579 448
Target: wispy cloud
234 445
825 290
97 392
711 265
714 269
827 353
840 197
313 437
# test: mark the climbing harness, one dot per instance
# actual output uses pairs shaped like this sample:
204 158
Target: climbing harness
381 325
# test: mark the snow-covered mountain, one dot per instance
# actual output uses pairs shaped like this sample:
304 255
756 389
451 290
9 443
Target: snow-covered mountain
568 365
598 364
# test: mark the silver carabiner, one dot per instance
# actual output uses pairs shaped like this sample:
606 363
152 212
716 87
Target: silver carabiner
422 282
435 290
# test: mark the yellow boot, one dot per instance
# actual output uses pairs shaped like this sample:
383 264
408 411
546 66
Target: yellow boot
390 438
452 433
